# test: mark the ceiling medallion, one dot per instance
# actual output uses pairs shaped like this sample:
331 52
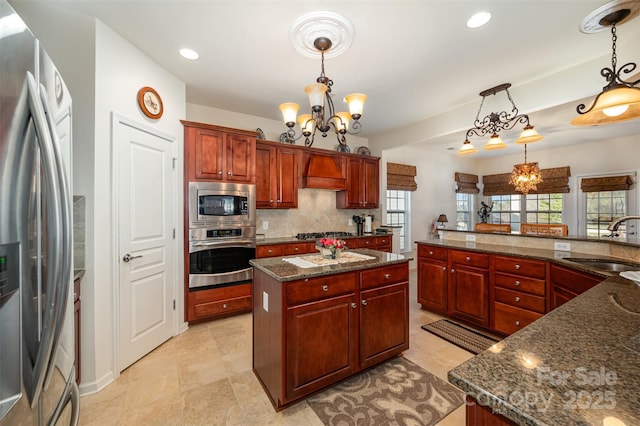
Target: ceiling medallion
308 28
593 22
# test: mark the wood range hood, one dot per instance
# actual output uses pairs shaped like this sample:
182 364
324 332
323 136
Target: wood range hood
322 169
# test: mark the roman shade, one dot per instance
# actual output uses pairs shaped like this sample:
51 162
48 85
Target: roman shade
554 181
606 183
400 177
466 183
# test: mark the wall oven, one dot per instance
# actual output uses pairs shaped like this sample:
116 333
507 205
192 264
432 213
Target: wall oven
221 204
220 257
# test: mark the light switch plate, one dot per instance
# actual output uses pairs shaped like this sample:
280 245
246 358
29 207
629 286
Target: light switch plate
562 246
265 225
470 237
265 301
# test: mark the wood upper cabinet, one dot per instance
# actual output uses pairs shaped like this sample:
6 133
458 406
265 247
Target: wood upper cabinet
363 184
215 153
469 286
276 177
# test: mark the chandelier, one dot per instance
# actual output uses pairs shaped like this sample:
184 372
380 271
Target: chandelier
619 100
494 123
525 176
323 117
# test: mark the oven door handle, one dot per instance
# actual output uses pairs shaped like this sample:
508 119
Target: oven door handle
204 245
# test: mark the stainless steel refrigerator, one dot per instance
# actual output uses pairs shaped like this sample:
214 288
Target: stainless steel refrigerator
37 378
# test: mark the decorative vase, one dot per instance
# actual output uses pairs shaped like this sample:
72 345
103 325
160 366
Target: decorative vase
329 252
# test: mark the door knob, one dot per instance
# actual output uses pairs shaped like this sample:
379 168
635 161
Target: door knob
128 258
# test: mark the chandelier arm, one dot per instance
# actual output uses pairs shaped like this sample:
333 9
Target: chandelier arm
356 127
507 125
627 69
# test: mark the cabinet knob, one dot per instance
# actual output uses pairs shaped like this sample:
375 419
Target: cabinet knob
224 306
279 201
517 322
444 268
387 276
270 251
325 288
219 172
364 302
452 270
517 299
296 249
228 173
271 201
430 253
467 258
517 267
517 283
354 305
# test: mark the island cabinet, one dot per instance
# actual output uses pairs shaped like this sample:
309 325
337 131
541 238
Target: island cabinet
311 333
568 283
276 176
363 184
433 278
519 292
469 286
215 153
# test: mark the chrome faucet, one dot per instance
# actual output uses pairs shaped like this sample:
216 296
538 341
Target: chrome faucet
613 226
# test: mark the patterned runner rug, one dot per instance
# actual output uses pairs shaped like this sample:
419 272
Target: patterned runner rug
464 337
397 392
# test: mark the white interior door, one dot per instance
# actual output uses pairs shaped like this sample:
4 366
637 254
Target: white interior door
145 185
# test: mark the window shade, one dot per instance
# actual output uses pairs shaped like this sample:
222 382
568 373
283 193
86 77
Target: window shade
400 177
606 183
466 183
554 181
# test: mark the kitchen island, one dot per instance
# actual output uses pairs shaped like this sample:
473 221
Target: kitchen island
316 325
578 364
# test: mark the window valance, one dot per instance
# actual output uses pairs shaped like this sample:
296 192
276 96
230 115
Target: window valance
401 177
606 183
554 181
466 183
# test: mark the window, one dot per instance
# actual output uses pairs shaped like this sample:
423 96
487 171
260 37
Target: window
602 208
398 214
515 209
463 211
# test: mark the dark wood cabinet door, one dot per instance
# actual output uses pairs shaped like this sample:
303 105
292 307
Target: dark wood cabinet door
265 176
560 296
432 285
207 154
240 161
469 294
353 194
384 323
287 177
370 183
322 343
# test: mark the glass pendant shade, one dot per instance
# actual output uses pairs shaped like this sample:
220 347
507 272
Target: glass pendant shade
494 143
609 107
316 93
341 121
289 112
467 148
356 103
307 123
525 177
529 135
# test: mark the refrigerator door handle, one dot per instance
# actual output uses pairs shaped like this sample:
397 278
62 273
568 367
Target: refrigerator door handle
62 289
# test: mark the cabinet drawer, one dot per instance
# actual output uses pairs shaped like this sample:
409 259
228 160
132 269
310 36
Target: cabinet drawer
383 276
520 299
516 282
209 309
431 252
383 241
577 282
468 258
268 251
524 267
368 242
320 288
295 248
509 319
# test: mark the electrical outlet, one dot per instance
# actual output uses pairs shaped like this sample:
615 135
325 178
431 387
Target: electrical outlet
562 246
265 225
470 237
350 222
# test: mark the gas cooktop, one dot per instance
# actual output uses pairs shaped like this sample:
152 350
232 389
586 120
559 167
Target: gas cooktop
315 235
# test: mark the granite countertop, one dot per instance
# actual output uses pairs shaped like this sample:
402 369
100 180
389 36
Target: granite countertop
531 253
293 239
578 365
284 271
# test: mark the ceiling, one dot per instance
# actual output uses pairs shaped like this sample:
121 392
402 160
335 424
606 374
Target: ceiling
414 59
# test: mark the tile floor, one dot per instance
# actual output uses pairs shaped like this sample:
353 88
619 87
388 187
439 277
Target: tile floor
204 377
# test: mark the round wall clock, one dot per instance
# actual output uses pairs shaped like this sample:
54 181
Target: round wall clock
150 103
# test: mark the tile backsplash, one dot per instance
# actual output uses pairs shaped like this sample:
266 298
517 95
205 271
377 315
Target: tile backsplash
78 231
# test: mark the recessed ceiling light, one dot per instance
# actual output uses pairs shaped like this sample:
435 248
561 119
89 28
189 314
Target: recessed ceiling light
189 54
479 19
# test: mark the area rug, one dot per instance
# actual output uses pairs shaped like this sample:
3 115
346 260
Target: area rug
464 337
397 392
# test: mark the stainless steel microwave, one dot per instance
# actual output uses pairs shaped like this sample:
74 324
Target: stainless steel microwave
214 204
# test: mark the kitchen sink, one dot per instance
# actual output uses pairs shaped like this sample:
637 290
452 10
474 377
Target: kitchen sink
606 264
